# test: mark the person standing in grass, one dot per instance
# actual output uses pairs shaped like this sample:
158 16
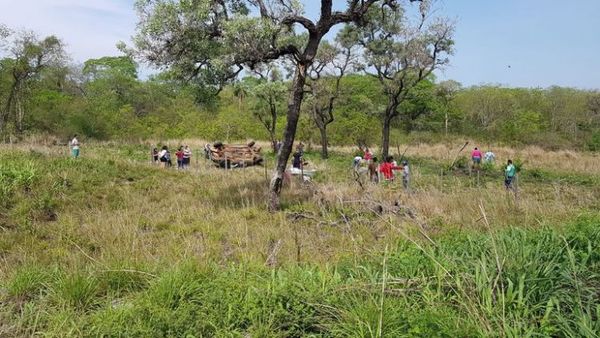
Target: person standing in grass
74 146
187 156
179 155
509 175
165 157
373 174
489 157
356 162
387 169
154 155
368 155
297 160
405 175
476 157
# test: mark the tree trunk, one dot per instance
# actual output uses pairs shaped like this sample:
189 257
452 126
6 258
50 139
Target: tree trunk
273 127
390 113
446 124
273 141
385 138
19 115
324 142
289 134
4 115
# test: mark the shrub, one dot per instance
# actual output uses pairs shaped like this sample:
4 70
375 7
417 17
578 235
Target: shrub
78 290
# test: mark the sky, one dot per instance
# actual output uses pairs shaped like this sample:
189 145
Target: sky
521 43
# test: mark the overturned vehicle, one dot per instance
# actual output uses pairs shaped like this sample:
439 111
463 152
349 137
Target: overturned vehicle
234 155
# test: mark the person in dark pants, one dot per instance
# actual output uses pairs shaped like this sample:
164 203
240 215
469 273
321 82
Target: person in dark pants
164 157
297 160
179 155
509 175
154 155
187 156
373 173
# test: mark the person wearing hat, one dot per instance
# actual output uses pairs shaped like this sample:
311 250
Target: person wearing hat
405 174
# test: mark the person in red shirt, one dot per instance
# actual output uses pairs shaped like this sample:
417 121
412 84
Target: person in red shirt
387 168
179 155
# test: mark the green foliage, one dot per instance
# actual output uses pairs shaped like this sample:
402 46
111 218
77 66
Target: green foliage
594 142
77 290
15 175
522 125
111 67
28 282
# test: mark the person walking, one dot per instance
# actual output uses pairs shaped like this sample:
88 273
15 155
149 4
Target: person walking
509 175
489 157
74 146
356 162
476 157
187 156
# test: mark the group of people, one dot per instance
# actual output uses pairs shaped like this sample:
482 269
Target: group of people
476 156
510 171
377 172
183 155
384 171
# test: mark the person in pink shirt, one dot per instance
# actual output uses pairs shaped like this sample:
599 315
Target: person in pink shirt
476 157
368 156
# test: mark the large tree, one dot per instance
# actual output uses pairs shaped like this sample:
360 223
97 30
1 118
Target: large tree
325 75
210 42
27 57
447 90
268 92
401 52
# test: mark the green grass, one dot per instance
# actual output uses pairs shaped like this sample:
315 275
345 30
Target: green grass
516 282
111 246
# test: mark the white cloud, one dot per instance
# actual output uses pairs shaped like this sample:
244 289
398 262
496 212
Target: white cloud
90 28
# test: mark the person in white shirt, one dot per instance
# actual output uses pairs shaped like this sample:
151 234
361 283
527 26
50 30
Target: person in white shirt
489 157
165 157
405 175
74 146
187 156
356 162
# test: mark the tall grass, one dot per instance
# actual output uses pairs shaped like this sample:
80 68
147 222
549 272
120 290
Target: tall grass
109 245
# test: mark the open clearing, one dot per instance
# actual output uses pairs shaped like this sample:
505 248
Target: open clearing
112 245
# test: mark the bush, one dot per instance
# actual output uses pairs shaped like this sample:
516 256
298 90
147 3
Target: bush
594 143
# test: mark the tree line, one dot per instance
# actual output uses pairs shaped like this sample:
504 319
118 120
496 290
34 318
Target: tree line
260 69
